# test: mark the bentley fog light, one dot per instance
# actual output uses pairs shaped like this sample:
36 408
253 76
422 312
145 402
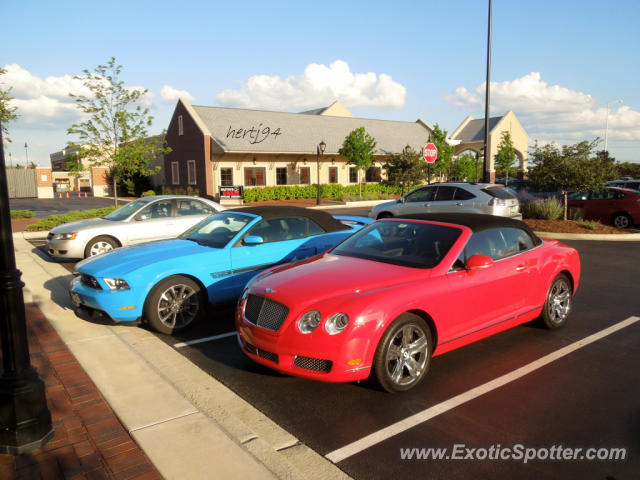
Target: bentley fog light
309 321
116 283
336 323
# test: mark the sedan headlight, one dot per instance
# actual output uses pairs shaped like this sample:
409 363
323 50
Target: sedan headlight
309 321
65 236
336 323
116 283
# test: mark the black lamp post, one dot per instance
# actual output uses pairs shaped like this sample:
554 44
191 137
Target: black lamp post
487 147
25 420
319 151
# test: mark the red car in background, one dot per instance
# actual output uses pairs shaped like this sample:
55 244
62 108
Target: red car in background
618 206
401 290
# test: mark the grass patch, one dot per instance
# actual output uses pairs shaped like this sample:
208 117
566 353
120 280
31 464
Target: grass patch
348 197
590 224
21 214
55 220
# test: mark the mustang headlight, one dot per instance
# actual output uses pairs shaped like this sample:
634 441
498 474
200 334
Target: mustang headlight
65 236
309 321
116 283
336 323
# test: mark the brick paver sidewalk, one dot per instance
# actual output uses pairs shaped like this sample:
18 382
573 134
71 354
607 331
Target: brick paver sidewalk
89 442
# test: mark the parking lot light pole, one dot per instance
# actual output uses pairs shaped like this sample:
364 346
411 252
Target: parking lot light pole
320 151
25 420
486 147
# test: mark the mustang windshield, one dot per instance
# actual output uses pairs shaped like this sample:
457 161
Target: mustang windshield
124 212
218 229
408 244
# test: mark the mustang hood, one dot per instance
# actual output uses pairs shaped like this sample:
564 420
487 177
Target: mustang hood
125 260
329 275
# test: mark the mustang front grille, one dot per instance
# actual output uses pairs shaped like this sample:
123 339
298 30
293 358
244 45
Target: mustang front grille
90 281
317 364
265 313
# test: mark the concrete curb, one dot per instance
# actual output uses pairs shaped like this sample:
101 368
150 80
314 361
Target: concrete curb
165 402
614 237
31 235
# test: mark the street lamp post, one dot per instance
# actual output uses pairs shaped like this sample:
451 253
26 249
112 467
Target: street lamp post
606 127
26 151
486 146
320 151
25 420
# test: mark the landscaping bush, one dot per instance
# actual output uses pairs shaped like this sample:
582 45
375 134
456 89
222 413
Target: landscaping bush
21 214
55 220
148 193
334 190
547 209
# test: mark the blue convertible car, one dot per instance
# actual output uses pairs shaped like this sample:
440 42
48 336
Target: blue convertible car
167 283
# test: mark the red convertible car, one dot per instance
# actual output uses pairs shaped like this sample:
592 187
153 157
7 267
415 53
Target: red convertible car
401 290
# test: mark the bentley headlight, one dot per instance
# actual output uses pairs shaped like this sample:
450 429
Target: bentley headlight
309 321
65 236
116 283
336 323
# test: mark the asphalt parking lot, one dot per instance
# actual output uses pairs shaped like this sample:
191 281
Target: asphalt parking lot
587 398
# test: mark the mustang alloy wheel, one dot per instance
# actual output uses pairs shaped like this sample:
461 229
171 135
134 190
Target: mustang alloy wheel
403 354
173 304
98 245
558 304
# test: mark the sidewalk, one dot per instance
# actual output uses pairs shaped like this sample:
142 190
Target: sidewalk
89 442
156 414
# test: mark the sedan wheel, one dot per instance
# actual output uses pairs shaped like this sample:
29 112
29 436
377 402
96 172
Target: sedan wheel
403 354
173 305
558 304
621 220
99 245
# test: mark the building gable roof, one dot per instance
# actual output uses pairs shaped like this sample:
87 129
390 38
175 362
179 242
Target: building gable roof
259 131
473 131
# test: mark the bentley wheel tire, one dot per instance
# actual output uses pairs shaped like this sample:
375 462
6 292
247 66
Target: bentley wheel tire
173 305
558 304
403 354
98 245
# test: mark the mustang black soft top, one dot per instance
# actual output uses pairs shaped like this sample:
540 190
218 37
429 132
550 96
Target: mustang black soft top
477 222
326 221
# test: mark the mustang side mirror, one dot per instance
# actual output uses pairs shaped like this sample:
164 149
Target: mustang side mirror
478 261
253 240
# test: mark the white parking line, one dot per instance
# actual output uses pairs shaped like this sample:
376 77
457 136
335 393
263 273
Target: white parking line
420 417
202 340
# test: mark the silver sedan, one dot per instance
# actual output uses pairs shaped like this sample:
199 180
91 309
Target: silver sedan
143 220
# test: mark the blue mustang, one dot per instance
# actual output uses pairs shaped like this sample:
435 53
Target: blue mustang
167 283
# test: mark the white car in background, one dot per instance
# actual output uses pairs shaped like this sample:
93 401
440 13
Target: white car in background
471 197
143 220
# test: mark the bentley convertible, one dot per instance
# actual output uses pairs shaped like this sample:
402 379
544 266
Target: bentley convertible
400 291
167 283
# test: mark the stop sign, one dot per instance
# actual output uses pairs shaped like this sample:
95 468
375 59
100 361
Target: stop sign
430 152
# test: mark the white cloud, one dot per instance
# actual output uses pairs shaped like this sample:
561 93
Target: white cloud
171 95
319 85
550 111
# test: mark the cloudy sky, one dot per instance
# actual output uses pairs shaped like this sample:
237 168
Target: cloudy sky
557 65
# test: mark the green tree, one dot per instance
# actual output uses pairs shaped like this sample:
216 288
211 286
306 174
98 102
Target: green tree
115 125
506 156
406 168
359 148
570 168
7 112
442 166
464 167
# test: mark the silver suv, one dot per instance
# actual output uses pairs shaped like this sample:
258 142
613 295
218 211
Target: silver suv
471 197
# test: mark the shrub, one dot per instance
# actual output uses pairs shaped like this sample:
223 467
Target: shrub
547 209
21 214
575 214
333 190
590 224
55 220
148 193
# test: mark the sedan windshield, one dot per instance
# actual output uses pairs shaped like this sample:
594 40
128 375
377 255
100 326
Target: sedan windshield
218 229
125 212
408 244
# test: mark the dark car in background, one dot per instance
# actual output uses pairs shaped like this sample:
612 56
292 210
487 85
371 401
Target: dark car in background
618 206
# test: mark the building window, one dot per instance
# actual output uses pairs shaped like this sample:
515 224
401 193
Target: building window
281 175
226 177
373 174
180 126
191 172
305 176
254 176
333 174
353 175
175 174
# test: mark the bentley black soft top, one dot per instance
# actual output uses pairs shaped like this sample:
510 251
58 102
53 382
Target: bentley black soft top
325 220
